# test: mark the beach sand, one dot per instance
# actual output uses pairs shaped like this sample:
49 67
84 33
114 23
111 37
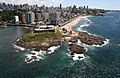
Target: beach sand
69 26
72 23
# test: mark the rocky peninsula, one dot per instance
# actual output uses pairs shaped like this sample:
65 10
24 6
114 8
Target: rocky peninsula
89 39
40 41
39 46
43 41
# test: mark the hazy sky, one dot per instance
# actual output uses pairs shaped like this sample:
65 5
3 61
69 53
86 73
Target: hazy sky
106 4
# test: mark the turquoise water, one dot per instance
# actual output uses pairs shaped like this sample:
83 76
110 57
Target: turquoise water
99 62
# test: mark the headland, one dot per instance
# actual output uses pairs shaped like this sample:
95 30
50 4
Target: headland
47 42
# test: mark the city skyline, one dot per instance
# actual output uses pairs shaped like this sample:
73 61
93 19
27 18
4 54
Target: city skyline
91 4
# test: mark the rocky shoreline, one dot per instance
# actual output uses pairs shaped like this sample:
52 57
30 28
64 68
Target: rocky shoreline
37 49
73 49
76 51
89 39
39 46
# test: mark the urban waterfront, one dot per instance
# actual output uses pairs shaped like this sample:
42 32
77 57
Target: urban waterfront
99 62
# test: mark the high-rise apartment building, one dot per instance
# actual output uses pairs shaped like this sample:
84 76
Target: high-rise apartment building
30 17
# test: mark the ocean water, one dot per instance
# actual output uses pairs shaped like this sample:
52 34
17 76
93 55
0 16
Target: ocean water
99 62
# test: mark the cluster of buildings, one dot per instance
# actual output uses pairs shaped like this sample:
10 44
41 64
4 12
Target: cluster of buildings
8 7
43 15
52 18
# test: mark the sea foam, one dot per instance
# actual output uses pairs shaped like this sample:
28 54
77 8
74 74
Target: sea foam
31 59
39 55
76 57
88 46
52 49
105 43
18 47
86 24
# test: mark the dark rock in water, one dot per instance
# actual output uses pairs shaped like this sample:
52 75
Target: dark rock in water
80 57
76 49
33 53
73 41
90 39
34 57
72 53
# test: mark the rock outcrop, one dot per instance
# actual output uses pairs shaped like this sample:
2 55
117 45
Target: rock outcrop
90 39
39 46
76 49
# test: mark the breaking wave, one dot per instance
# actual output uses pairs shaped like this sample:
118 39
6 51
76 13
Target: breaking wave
37 56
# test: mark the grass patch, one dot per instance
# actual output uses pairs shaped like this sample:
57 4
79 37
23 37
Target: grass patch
33 37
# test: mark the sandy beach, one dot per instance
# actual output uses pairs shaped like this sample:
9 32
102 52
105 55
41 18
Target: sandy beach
72 23
69 26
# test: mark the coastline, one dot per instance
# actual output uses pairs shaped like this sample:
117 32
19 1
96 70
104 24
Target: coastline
80 56
68 26
76 55
35 55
